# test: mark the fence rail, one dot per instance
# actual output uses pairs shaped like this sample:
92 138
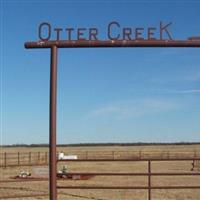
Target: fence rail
9 159
149 174
41 158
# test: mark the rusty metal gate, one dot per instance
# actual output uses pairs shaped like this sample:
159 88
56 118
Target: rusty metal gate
54 45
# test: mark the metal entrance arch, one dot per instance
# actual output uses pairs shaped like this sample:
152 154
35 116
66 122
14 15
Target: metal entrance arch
54 45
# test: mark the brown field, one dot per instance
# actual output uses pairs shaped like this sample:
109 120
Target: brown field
13 189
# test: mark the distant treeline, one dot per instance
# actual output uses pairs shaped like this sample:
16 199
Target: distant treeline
101 144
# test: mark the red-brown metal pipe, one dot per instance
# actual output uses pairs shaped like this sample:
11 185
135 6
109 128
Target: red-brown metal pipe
52 125
149 180
133 174
112 43
128 187
103 187
129 160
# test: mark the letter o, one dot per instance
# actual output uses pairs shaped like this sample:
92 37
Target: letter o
42 25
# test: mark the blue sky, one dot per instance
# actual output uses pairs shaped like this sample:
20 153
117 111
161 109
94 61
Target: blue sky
104 95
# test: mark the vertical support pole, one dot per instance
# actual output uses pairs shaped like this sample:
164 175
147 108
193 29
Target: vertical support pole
46 159
149 180
140 154
5 159
18 158
29 158
195 154
52 125
38 157
113 155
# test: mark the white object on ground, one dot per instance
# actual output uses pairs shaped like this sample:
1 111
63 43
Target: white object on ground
24 174
61 156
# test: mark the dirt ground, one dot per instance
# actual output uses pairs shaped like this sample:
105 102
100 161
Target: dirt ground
39 189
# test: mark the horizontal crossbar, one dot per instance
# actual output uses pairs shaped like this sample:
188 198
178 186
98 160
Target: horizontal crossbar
132 174
112 43
128 160
128 187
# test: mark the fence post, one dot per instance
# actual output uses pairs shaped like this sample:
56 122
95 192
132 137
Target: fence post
113 155
29 157
149 180
195 154
5 159
168 155
38 157
140 154
18 158
46 161
86 155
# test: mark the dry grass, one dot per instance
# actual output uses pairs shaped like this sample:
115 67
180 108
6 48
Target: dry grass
41 188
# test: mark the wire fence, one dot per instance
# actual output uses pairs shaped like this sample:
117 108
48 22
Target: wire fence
22 159
42 158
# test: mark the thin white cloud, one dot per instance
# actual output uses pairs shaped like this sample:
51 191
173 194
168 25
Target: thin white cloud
105 110
192 91
188 74
192 76
134 108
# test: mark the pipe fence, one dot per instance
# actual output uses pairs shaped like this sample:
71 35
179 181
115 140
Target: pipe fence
149 174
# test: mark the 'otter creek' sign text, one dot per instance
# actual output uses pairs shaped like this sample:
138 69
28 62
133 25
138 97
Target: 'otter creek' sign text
114 31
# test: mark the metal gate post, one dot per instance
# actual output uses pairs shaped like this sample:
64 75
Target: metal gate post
53 90
52 125
149 180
